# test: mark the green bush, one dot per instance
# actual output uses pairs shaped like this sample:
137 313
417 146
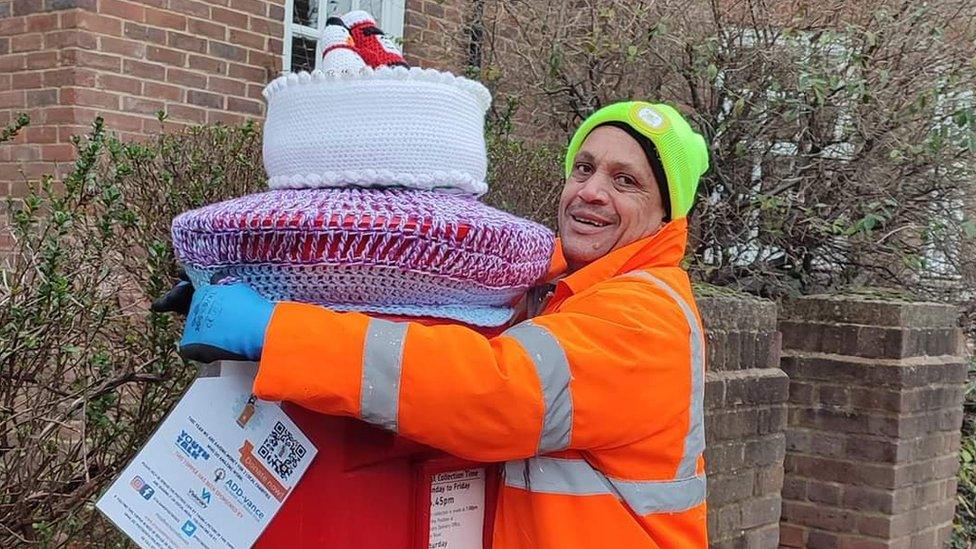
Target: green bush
964 533
88 371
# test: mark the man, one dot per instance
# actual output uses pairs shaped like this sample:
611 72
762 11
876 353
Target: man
594 405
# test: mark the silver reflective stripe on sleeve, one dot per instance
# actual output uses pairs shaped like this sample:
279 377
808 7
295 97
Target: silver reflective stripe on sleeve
379 397
553 369
695 439
575 477
547 475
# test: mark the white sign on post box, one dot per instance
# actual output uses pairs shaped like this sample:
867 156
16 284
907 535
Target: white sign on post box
214 473
457 509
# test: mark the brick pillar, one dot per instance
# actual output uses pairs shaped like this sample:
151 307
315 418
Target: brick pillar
876 390
745 422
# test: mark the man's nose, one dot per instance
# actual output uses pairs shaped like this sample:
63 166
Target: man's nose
595 188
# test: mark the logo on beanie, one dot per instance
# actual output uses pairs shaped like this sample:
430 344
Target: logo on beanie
649 119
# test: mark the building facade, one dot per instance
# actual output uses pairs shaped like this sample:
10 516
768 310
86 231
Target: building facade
64 62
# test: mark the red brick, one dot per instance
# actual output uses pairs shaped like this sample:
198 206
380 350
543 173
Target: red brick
263 60
27 7
44 59
207 64
276 12
12 25
246 106
186 42
227 51
87 97
206 28
26 80
165 19
187 113
119 83
152 125
275 48
63 5
266 27
141 105
255 91
97 22
65 133
124 10
13 99
4 86
247 72
57 116
247 39
43 22
25 153
224 117
255 7
123 47
97 60
162 91
190 7
123 122
58 152
26 42
168 56
33 171
144 70
4 46
70 38
12 63
135 31
41 134
228 17
204 99
186 78
226 86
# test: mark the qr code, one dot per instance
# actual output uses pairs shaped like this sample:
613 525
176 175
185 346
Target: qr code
281 451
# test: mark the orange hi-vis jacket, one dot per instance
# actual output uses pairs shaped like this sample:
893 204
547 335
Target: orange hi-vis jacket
595 405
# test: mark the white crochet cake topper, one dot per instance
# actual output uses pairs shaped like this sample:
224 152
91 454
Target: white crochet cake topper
348 124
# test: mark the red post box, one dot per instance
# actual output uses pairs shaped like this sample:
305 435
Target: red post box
370 489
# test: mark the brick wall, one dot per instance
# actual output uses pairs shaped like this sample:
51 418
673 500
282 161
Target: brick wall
66 61
745 422
875 410
434 33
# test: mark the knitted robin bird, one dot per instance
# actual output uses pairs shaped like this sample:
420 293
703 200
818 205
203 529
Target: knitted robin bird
373 46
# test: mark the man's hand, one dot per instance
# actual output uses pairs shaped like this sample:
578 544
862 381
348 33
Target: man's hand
226 322
177 299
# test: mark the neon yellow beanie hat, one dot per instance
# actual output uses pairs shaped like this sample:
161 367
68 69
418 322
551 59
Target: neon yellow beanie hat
683 152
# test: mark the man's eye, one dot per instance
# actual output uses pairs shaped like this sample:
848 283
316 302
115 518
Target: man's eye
625 181
583 168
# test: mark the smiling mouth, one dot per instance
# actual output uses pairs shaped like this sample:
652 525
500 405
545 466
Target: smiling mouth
590 222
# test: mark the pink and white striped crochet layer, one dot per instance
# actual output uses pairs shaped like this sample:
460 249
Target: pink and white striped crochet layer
391 251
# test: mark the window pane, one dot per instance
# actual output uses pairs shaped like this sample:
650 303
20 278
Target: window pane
302 54
375 8
306 13
337 7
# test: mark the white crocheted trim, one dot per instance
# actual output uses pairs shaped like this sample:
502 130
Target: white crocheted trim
418 74
453 182
357 16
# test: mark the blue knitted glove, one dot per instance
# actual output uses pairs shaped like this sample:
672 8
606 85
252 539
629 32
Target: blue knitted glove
226 322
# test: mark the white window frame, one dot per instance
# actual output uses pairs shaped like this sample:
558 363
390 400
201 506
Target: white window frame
390 19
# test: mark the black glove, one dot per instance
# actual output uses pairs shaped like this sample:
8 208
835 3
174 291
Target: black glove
177 299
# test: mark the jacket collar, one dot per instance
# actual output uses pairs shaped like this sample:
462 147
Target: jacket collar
665 248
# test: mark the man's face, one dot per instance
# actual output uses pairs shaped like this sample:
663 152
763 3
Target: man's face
611 198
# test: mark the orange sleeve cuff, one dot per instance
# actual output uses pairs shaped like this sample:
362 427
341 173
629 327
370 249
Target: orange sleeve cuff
313 357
